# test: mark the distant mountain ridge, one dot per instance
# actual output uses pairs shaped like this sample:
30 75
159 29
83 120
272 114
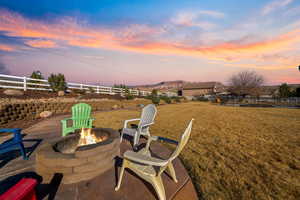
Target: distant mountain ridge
163 85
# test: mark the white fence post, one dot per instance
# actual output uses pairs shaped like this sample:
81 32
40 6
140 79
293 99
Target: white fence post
24 83
97 90
81 86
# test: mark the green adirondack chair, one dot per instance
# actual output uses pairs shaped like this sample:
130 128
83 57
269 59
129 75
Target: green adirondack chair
80 117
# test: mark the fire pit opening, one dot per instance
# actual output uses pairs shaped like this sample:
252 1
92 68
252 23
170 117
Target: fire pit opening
82 138
80 156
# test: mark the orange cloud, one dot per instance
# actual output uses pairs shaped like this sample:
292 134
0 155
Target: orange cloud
41 43
137 38
228 49
4 47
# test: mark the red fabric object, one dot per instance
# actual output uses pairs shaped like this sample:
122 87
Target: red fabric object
23 190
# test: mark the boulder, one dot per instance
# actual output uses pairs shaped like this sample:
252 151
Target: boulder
61 93
114 107
45 114
12 92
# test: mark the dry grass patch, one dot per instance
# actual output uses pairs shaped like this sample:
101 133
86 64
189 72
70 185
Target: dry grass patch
234 153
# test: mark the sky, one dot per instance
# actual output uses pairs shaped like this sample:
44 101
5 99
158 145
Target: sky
142 42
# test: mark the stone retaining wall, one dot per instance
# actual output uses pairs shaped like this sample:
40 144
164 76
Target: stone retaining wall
20 110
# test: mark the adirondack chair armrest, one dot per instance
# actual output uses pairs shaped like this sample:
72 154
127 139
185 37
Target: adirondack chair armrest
145 125
130 120
64 121
10 130
144 159
16 131
149 140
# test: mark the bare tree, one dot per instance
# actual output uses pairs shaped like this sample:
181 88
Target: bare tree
246 83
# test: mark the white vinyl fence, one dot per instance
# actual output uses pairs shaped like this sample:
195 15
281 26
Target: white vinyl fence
25 83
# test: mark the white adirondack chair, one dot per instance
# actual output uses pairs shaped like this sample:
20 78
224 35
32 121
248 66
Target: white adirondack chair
145 166
147 119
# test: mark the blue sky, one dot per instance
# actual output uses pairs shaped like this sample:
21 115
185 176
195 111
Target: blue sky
138 42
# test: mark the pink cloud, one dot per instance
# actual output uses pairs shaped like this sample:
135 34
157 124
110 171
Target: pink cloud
5 47
41 43
141 38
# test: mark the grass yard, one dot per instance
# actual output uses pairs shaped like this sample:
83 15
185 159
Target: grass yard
233 153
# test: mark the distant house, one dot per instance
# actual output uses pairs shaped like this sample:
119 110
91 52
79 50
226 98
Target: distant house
201 89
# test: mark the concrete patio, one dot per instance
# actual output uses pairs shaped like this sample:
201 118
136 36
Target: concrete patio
100 187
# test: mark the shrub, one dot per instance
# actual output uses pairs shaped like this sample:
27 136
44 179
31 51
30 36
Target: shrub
79 91
201 98
155 100
154 92
166 99
57 82
176 99
36 75
91 90
129 97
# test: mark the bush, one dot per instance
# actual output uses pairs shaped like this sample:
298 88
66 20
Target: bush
166 99
154 92
155 100
36 75
91 90
79 91
57 82
129 97
201 98
176 99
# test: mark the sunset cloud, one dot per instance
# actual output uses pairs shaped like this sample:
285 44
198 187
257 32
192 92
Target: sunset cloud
41 43
194 19
139 38
274 5
4 47
270 52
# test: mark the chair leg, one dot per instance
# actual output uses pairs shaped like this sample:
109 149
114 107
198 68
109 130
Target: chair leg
124 165
122 133
136 138
159 187
23 152
171 172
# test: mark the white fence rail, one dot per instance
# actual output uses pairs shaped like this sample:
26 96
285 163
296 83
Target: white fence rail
25 83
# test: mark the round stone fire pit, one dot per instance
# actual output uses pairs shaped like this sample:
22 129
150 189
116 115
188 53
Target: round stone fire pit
78 163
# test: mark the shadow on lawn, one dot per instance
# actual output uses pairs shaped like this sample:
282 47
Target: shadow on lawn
13 154
42 190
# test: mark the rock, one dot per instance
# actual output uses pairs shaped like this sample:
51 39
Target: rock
114 107
61 93
12 92
45 114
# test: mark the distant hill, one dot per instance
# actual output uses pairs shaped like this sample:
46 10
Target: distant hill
165 85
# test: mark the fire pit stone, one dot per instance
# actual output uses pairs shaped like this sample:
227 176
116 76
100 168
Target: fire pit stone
78 163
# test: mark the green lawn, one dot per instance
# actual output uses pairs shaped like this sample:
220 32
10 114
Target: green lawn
233 153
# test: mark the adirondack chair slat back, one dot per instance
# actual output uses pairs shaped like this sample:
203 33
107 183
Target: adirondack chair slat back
184 139
148 115
81 114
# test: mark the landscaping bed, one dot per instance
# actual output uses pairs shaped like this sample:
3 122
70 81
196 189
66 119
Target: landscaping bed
18 113
35 94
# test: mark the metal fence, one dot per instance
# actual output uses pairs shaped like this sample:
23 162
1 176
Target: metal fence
262 100
25 83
